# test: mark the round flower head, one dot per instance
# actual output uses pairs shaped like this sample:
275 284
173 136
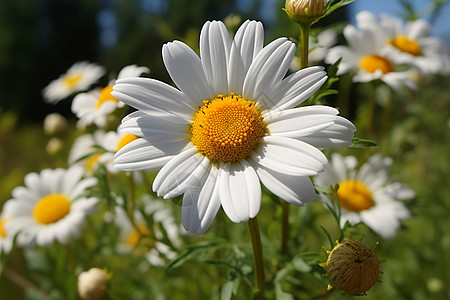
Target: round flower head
148 241
93 107
6 239
78 78
92 284
231 124
86 144
352 267
50 207
367 195
368 55
410 44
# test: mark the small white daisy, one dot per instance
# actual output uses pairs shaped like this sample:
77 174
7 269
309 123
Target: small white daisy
147 240
411 44
232 123
367 195
368 55
50 207
93 107
6 239
78 78
85 145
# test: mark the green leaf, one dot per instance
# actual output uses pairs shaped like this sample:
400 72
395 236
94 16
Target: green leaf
362 143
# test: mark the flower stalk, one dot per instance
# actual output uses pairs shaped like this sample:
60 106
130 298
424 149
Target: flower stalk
257 255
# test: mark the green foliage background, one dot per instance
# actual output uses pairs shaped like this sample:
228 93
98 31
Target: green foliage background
41 39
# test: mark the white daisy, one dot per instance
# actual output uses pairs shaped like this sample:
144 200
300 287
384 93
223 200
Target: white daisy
93 107
368 55
86 144
50 207
367 195
231 124
147 238
78 78
411 44
6 239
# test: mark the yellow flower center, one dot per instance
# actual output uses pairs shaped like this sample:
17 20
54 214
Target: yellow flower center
71 79
51 208
2 228
354 195
91 161
371 63
126 139
405 44
227 128
105 95
135 236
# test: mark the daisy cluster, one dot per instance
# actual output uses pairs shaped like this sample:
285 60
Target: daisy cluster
238 121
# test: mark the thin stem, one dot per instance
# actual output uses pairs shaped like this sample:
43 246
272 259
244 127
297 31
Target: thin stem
257 255
284 228
304 39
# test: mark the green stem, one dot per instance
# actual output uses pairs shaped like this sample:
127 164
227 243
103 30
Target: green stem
304 39
257 254
284 228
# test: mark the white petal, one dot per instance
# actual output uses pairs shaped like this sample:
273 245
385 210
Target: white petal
268 68
294 89
132 71
201 204
141 154
215 44
289 156
156 129
240 191
186 70
302 121
339 134
182 172
148 95
247 43
293 189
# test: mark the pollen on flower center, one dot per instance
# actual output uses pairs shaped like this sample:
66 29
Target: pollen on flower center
105 95
371 63
355 196
227 128
126 139
71 79
405 44
51 208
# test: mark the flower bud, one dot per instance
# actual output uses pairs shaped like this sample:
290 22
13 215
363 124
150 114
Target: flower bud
92 284
352 267
54 124
305 11
54 146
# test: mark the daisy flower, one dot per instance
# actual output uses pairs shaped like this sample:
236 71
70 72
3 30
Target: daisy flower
411 44
86 144
147 240
367 195
231 123
6 240
78 78
93 107
367 55
51 207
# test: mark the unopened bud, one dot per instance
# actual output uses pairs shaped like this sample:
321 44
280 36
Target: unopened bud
92 284
305 11
54 124
54 146
352 267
